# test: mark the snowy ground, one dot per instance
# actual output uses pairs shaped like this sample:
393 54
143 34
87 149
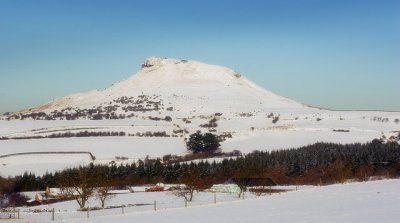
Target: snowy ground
363 202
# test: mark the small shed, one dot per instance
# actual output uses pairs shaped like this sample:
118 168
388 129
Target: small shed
225 188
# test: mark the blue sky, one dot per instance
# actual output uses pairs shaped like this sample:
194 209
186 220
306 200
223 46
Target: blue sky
335 54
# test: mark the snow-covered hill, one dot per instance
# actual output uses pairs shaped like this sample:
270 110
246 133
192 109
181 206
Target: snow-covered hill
183 84
153 112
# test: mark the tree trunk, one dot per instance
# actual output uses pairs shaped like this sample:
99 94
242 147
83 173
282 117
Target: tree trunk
191 195
81 202
102 202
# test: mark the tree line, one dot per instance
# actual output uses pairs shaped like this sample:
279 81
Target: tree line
328 162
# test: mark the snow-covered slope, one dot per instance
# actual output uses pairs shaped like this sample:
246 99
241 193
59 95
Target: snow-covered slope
178 82
152 113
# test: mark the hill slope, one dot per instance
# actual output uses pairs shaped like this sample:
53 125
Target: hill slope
186 85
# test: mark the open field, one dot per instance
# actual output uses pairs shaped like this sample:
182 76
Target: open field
361 202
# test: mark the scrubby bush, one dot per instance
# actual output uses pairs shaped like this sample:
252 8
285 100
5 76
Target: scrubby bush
275 119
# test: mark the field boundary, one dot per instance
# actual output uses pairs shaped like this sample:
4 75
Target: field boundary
48 153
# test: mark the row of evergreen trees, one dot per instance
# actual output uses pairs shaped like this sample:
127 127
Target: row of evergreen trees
327 162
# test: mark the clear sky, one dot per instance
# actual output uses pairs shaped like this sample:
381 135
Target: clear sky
340 54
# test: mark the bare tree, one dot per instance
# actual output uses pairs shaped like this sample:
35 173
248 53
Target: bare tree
240 178
194 180
186 193
242 186
103 187
78 184
103 194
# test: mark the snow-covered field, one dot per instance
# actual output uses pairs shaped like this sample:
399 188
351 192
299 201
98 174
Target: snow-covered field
249 134
362 202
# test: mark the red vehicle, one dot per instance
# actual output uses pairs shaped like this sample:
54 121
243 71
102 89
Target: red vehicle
154 189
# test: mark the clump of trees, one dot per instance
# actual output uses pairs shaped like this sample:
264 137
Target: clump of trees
6 189
275 118
8 197
380 119
203 143
211 124
151 134
154 118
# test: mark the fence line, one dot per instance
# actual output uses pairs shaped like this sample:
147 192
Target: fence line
123 209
